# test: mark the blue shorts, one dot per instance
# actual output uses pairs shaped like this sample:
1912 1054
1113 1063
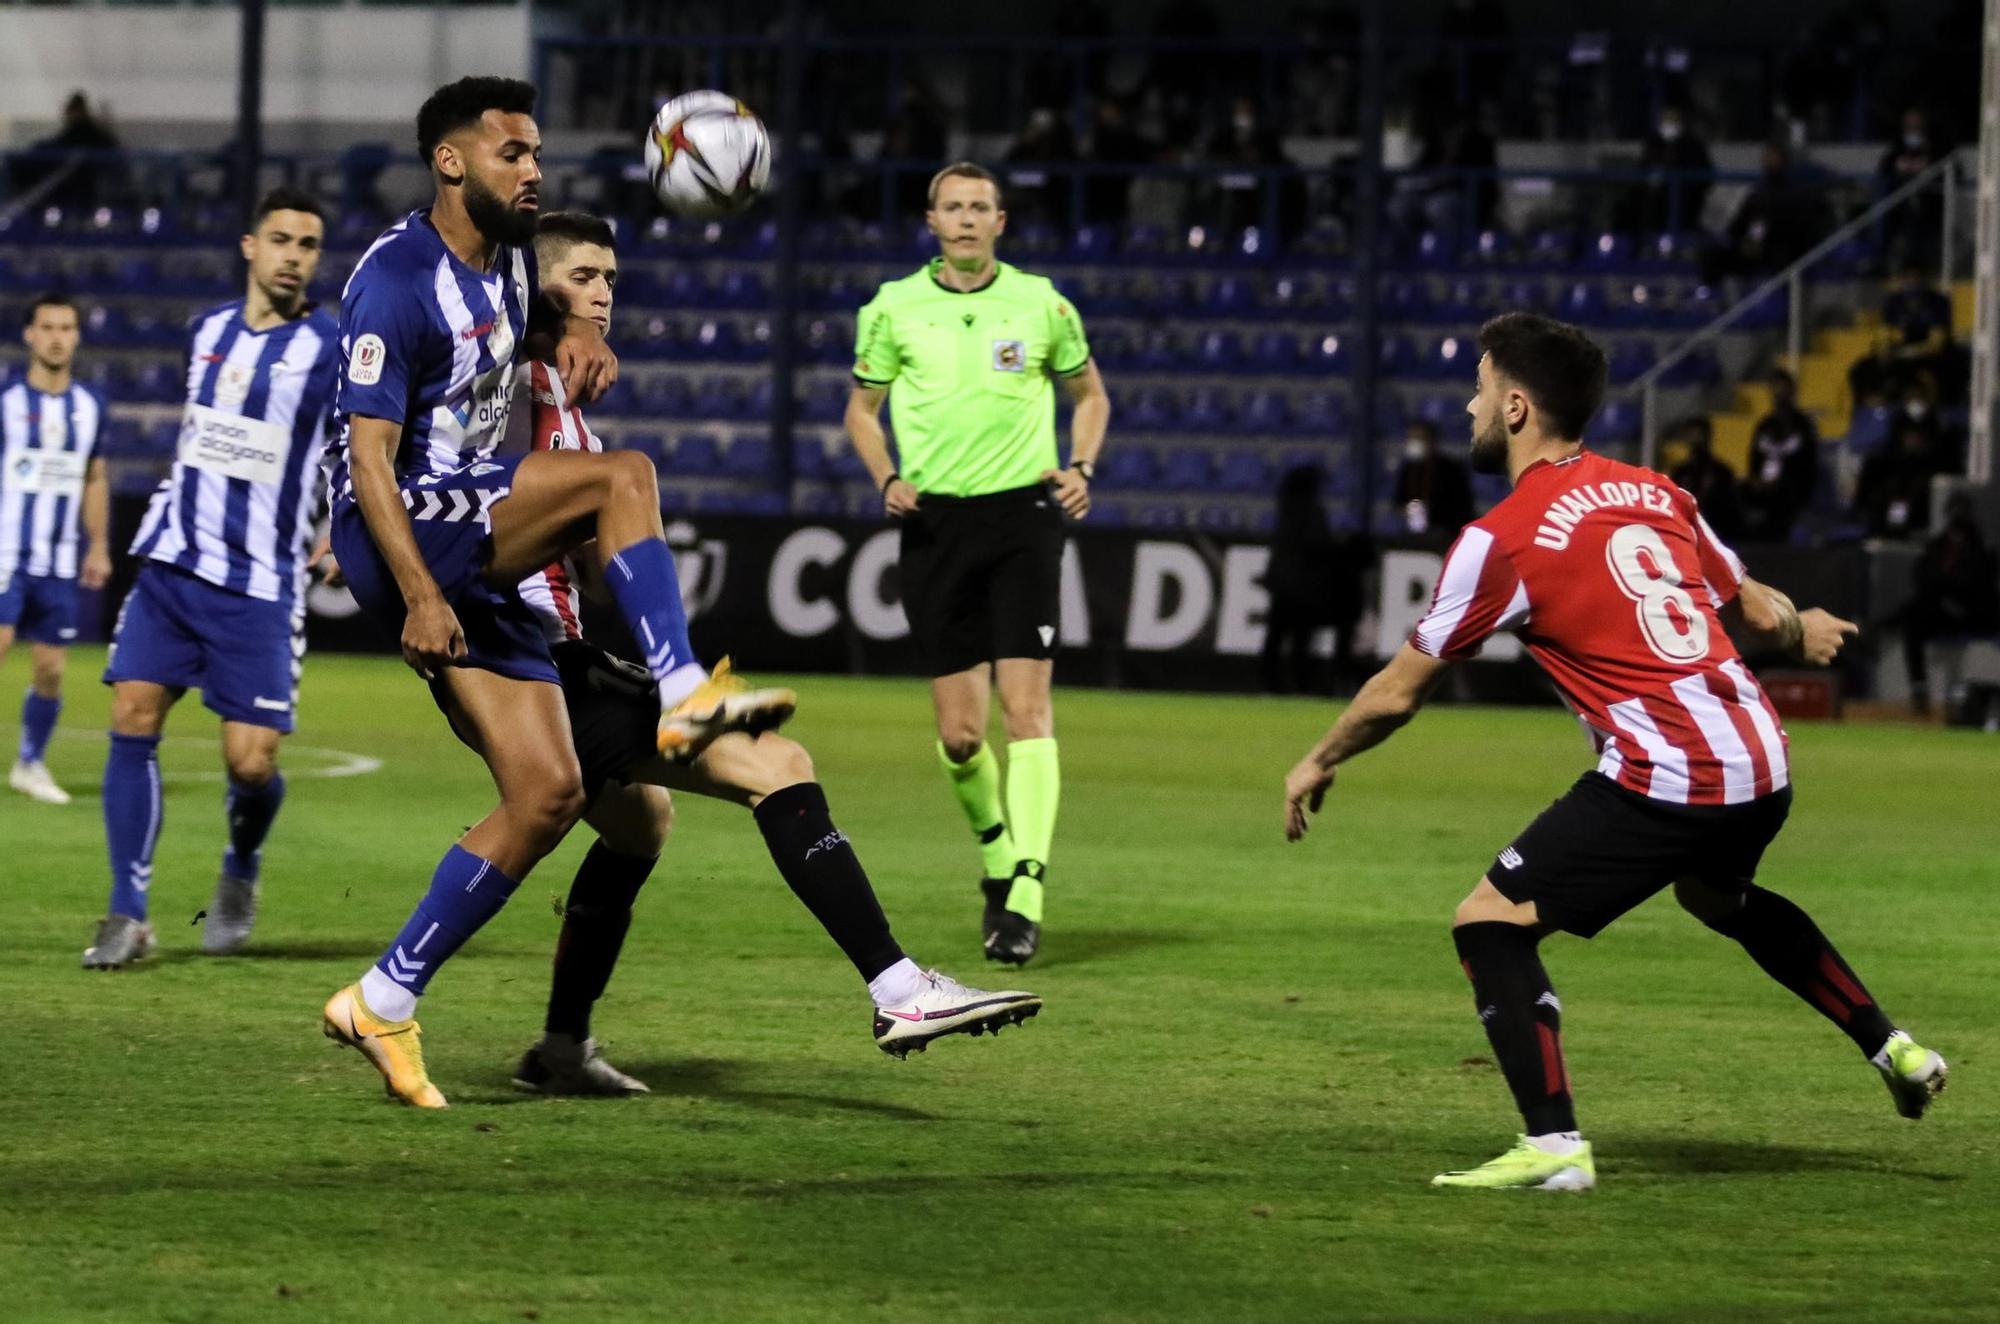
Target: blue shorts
448 514
177 629
41 608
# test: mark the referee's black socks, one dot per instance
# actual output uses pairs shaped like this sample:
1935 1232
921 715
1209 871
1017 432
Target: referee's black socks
1522 1017
822 870
1789 946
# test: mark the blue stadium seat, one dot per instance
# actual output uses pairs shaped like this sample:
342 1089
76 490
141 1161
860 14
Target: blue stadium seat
1160 351
1112 347
1130 468
1868 430
1274 352
1405 301
695 455
1164 296
621 398
1229 296
1265 412
663 397
158 380
1523 296
1092 243
1610 251
1548 250
1465 303
844 464
1218 351
1243 471
1698 369
1616 421
742 289
1206 410
1630 358
648 444
1489 248
1453 356
1319 414
1670 252
808 458
1397 357
1327 355
1187 471
823 402
715 339
1433 251
748 456
1584 303
1221 519
655 338
1152 410
826 503
1293 296
717 397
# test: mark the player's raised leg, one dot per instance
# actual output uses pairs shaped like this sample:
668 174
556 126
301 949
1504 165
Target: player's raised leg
1498 943
525 735
774 777
40 707
631 823
1783 940
256 792
561 499
1034 788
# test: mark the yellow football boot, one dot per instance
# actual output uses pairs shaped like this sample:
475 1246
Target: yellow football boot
395 1047
723 702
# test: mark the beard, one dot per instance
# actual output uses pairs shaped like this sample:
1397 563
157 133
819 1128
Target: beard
1489 449
495 219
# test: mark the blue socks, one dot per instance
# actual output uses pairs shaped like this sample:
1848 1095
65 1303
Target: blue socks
648 591
38 722
466 891
132 819
250 810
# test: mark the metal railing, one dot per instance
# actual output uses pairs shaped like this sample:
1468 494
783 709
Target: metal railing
1792 280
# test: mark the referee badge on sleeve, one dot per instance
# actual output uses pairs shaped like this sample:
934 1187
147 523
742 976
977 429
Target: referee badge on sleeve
1010 356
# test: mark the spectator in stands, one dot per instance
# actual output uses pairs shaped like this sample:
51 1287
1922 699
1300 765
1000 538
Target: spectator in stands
79 166
1779 219
1114 141
1893 499
1708 480
1915 349
1679 174
1161 200
1912 231
1241 197
1434 193
1919 411
1300 582
1186 72
1784 461
915 133
1956 594
1033 194
1433 490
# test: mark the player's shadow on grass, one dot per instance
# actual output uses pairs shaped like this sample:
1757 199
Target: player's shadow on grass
1082 946
720 1081
1640 1156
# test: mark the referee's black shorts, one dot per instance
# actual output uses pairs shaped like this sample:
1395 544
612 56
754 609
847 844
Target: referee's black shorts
1602 849
982 577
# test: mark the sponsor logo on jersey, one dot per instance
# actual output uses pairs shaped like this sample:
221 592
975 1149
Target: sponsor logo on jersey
1510 858
1010 356
364 367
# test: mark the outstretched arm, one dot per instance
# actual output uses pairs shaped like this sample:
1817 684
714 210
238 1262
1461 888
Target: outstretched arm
1389 699
1762 620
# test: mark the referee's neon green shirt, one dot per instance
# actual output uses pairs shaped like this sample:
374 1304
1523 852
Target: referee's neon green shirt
968 376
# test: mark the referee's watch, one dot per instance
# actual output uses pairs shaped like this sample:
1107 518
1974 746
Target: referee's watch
1084 467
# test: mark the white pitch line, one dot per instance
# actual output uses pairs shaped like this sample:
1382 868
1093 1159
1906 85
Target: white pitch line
340 762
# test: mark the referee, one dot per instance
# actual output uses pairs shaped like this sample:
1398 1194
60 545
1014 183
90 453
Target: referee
964 349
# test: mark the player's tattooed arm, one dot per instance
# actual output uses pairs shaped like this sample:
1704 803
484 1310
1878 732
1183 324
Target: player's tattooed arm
1390 699
1764 620
431 634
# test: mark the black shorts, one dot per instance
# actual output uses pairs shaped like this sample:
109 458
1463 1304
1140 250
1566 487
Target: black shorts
614 712
982 577
1602 849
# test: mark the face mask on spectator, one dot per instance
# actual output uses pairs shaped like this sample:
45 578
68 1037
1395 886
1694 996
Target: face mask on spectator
1916 408
1670 130
1913 138
1414 448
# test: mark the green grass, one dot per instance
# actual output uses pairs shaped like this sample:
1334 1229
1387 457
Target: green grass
1252 1059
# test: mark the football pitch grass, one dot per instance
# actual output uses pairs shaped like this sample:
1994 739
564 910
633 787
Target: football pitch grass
1252 1059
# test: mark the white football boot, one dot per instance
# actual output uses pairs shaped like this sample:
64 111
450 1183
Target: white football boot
944 1006
33 780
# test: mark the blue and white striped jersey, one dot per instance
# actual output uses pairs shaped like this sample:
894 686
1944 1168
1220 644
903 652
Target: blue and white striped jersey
237 510
48 444
428 343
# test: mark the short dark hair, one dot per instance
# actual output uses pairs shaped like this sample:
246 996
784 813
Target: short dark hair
49 300
457 105
965 170
562 230
1561 369
1777 375
286 198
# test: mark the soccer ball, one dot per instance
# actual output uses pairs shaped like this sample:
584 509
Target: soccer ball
707 155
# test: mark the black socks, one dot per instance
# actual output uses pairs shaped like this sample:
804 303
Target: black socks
594 924
823 872
1522 1017
1789 946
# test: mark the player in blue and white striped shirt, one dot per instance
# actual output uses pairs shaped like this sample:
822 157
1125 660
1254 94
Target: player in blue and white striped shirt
435 531
51 480
219 602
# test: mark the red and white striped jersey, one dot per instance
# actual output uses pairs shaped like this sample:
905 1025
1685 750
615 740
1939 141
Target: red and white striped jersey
1613 581
557 425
